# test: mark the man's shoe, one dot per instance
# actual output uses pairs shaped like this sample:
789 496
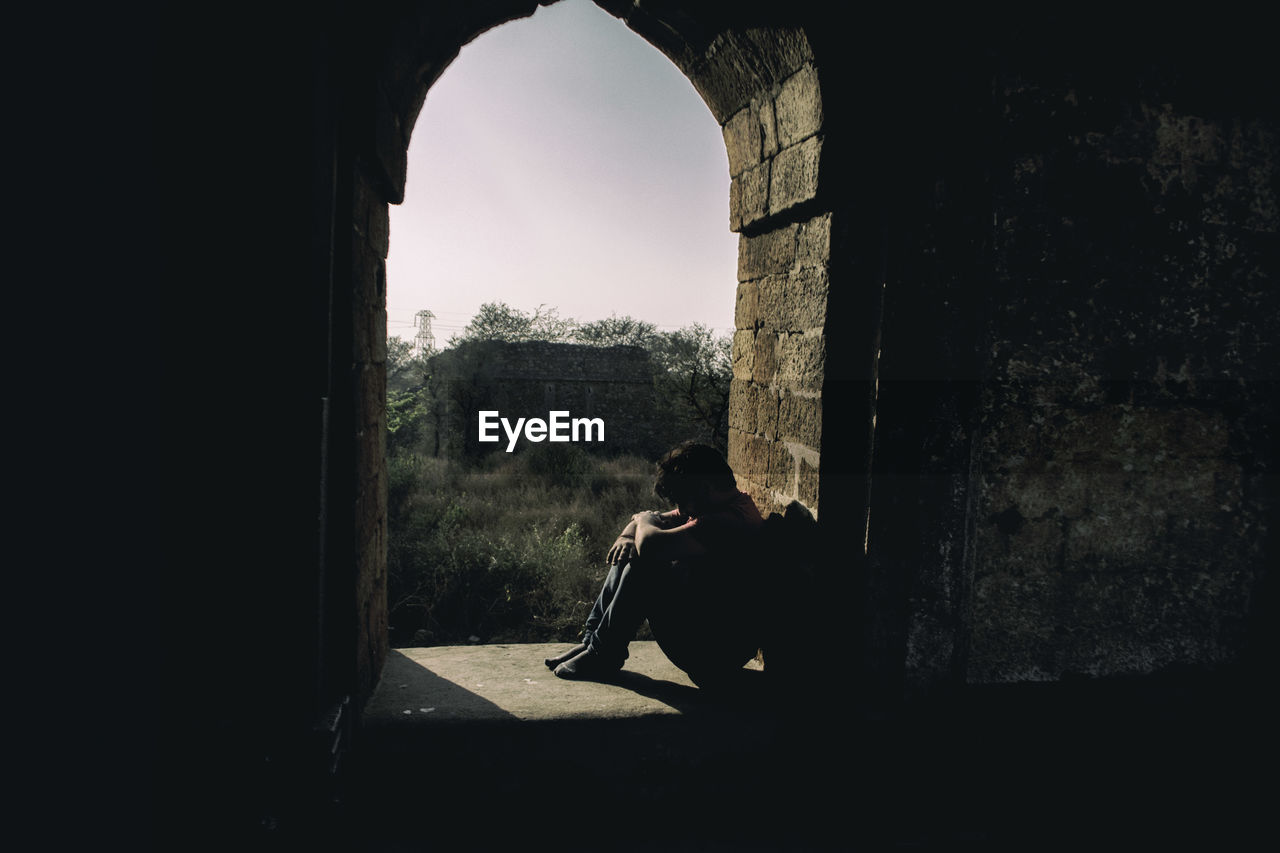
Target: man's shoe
554 662
588 666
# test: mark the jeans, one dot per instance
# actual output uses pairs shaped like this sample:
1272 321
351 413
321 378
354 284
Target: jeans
697 610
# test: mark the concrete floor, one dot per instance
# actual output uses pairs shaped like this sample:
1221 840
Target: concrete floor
451 684
492 739
483 748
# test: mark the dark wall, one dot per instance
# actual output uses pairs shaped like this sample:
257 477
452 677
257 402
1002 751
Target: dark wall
1072 466
1122 492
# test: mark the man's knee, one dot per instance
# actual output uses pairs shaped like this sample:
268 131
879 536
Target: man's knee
641 566
632 575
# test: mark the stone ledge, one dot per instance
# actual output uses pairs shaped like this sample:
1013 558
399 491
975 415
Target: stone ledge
441 685
512 756
482 745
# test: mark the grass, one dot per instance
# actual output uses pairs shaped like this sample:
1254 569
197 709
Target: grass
509 548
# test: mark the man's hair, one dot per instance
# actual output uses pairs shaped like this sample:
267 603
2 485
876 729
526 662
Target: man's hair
691 470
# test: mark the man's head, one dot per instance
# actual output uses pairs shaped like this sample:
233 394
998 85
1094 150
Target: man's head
692 472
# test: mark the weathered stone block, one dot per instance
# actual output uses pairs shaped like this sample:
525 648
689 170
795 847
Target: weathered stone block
768 501
744 349
806 307
749 456
378 227
768 126
746 310
801 360
743 141
793 180
766 410
759 454
764 366
379 342
807 485
753 408
759 493
742 410
1147 439
363 196
782 469
1100 466
740 63
1131 518
813 242
795 302
749 197
1033 545
800 419
1016 636
772 301
369 216
737 453
371 393
799 107
767 254
1045 625
390 150
1051 489
368 303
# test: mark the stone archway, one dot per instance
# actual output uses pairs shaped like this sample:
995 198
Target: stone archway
998 177
760 79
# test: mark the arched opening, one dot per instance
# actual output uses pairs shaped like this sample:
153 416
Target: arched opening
760 80
560 160
563 168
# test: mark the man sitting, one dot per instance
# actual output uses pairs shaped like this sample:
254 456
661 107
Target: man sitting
685 571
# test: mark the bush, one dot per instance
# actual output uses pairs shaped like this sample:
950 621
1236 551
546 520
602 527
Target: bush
562 464
510 549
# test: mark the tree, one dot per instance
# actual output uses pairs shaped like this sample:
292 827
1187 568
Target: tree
405 371
459 381
498 321
617 331
693 369
407 419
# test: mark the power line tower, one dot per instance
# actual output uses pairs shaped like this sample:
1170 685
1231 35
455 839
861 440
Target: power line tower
424 343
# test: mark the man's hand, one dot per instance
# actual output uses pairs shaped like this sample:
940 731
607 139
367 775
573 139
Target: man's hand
624 548
623 551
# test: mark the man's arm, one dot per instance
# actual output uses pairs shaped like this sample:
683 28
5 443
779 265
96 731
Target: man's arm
665 536
624 547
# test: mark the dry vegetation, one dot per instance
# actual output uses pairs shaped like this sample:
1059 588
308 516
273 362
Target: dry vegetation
509 548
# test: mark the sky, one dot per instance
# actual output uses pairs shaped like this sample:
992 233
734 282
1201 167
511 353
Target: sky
563 161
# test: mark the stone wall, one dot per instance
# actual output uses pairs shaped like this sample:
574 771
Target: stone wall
775 404
531 379
365 379
774 142
1076 404
1120 507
